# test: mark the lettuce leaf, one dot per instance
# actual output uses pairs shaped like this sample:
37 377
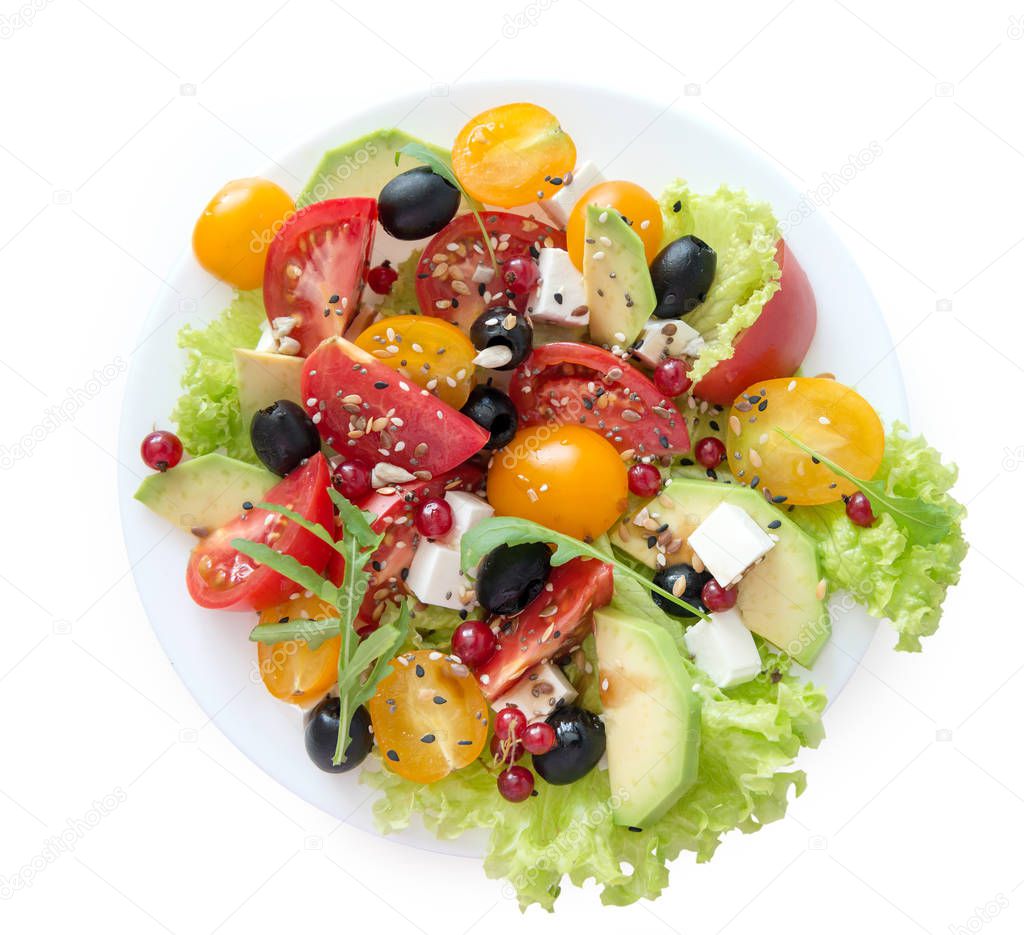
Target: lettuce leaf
207 413
750 736
401 300
879 566
744 235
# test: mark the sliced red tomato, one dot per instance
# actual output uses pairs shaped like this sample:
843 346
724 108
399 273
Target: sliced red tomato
363 407
775 345
315 268
396 512
581 384
455 254
220 577
539 634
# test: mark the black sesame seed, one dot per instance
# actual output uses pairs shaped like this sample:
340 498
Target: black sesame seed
677 207
380 385
438 699
712 474
427 738
779 499
464 743
714 426
558 297
761 406
420 671
685 462
775 524
334 298
377 566
481 289
815 461
652 541
247 505
404 573
664 441
754 481
393 756
633 828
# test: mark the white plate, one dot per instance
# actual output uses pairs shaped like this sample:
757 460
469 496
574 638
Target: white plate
210 650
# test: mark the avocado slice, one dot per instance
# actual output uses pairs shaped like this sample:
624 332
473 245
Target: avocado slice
651 717
206 492
361 168
620 294
777 598
264 379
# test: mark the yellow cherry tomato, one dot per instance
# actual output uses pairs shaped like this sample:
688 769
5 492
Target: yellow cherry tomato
637 206
233 233
291 670
429 716
825 415
565 477
508 155
432 353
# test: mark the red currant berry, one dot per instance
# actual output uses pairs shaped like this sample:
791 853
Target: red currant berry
670 377
510 720
644 480
505 751
858 508
716 598
381 278
539 738
709 452
515 783
521 275
434 518
352 479
161 450
474 643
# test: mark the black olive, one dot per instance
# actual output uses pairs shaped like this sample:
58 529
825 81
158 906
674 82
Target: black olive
282 436
682 274
417 204
579 744
491 409
322 736
695 581
494 328
511 576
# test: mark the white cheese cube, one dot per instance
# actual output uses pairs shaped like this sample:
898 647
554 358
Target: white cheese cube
435 577
541 689
724 648
728 542
663 338
559 297
559 206
467 511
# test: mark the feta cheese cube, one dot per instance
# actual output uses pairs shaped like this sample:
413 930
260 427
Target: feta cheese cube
435 577
728 542
663 338
541 689
724 648
559 297
467 511
559 206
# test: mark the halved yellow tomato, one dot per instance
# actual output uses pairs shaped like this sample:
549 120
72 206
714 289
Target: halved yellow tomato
291 670
429 716
825 415
637 206
511 155
430 352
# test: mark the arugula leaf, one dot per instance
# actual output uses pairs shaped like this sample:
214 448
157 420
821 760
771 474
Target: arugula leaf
312 632
439 167
301 520
924 523
495 531
356 522
382 645
291 568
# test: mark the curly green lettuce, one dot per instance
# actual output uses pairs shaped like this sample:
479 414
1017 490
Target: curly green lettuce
878 566
401 300
744 235
207 413
750 736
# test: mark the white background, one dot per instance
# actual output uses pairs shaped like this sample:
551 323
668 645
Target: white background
119 120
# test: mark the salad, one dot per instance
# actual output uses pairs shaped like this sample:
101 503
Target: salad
539 517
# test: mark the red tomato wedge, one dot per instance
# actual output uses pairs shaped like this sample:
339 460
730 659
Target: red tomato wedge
396 512
220 577
315 268
455 253
537 635
775 345
365 408
585 385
